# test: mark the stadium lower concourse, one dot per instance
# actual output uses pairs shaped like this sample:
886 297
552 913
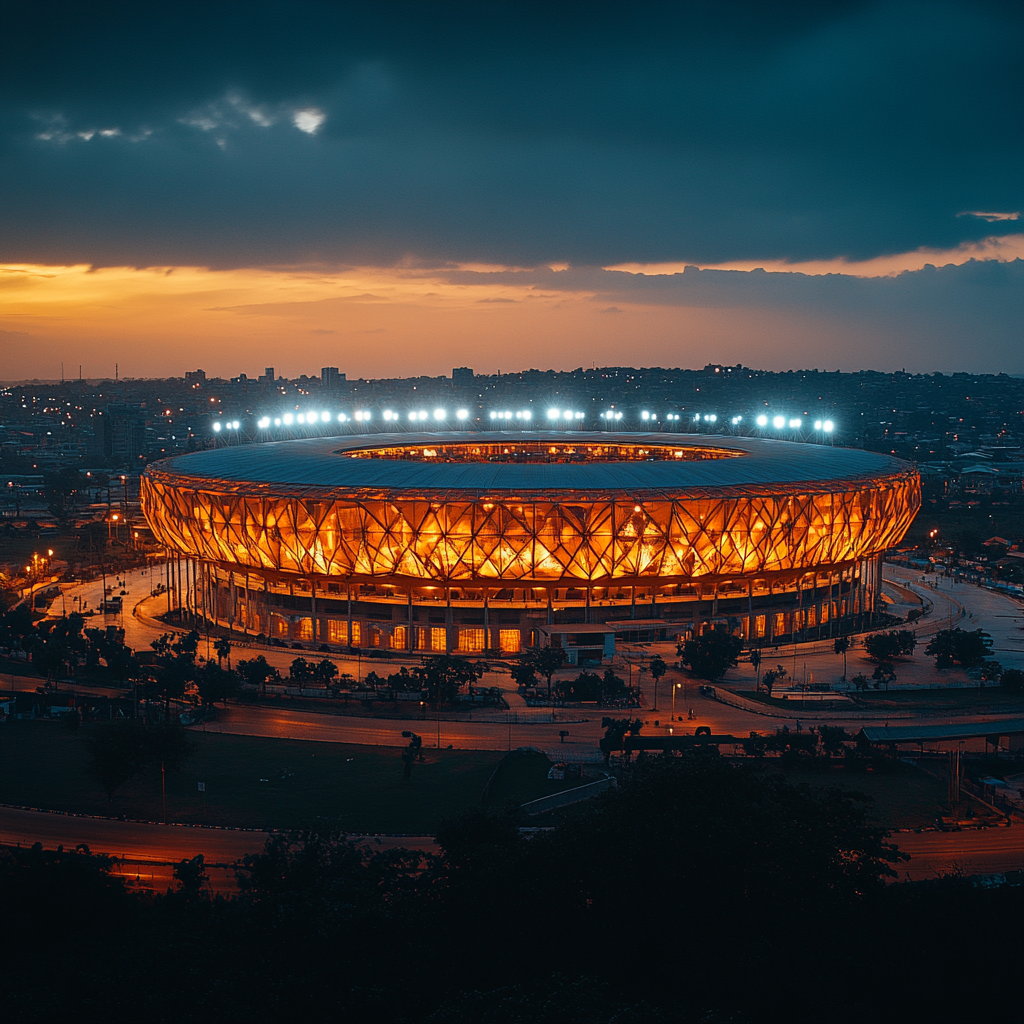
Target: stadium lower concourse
456 542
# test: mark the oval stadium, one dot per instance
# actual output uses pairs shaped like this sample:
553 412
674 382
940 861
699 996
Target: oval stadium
471 542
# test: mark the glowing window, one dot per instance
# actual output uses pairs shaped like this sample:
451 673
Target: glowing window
304 629
374 636
356 634
422 636
472 640
400 638
824 614
337 631
278 625
509 640
439 639
780 624
811 617
759 625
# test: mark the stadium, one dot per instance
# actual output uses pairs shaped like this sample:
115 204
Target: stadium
456 542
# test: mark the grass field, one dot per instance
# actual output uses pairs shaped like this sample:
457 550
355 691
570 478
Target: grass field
903 796
361 789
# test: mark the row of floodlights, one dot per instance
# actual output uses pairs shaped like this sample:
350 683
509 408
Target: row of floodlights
554 415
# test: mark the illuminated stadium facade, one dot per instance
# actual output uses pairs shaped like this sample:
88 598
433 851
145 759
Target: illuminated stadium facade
495 541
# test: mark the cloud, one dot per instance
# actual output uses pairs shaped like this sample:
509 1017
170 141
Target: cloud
990 217
639 134
309 120
610 309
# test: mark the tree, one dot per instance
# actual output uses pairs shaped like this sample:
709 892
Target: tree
755 661
325 672
833 738
658 669
708 656
548 661
301 671
960 647
215 684
524 670
773 676
176 667
884 674
841 646
887 646
1012 679
256 672
443 675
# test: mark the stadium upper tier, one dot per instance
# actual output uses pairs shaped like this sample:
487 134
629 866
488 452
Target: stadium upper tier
531 506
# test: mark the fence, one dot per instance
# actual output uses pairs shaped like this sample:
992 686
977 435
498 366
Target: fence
569 796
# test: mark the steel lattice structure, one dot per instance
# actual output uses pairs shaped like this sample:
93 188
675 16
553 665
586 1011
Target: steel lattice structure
309 511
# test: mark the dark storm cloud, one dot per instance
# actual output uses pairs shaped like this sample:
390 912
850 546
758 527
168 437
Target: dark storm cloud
510 133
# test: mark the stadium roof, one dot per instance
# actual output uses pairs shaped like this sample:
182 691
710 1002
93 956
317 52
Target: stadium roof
766 465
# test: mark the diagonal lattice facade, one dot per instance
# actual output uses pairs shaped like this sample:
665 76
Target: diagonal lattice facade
547 537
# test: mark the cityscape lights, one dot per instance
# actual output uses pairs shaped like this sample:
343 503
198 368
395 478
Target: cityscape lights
762 420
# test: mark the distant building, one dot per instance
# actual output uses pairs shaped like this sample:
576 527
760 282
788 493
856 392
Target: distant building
462 375
119 435
268 375
240 379
195 376
330 378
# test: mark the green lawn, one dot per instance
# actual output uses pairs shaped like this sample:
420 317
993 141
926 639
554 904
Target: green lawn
43 764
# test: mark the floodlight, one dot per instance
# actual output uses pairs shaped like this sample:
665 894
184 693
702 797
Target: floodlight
828 426
439 414
762 420
216 427
553 414
795 423
463 414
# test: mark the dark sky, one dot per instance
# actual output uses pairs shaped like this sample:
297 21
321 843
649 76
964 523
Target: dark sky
519 135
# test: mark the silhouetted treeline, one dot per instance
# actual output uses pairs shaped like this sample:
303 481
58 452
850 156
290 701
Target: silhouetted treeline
696 892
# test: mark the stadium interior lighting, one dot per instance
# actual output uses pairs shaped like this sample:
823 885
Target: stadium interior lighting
568 414
277 421
388 415
342 418
288 419
462 414
216 427
301 418
440 414
795 423
494 415
264 423
553 414
579 415
422 414
817 424
325 417
778 422
235 424
828 426
645 415
762 420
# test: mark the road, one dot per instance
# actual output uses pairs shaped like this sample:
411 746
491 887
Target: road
976 852
147 851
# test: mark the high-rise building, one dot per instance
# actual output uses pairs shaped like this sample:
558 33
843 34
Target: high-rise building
119 435
195 376
268 375
462 375
330 378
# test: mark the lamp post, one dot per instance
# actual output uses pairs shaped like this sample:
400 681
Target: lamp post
675 686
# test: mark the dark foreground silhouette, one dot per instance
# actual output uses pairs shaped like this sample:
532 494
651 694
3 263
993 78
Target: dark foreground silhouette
696 892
